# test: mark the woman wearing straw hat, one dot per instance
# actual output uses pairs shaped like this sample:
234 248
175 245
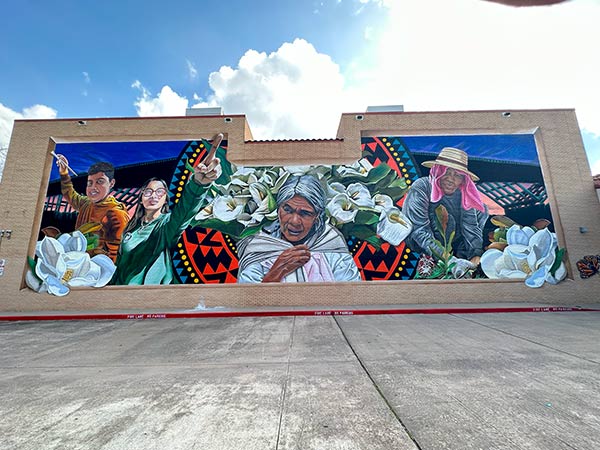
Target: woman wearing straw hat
451 184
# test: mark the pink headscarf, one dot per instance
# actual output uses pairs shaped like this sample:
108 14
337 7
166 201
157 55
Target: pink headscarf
470 194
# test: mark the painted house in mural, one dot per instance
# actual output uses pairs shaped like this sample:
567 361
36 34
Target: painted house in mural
390 200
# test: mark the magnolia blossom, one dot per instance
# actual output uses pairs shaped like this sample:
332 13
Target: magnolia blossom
360 168
342 208
393 226
63 263
529 255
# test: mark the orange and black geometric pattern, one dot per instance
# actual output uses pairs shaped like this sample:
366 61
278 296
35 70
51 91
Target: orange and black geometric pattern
388 262
206 256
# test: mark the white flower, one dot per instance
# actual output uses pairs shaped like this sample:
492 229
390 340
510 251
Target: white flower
518 235
529 255
63 263
228 208
393 226
360 195
342 209
205 213
263 205
240 181
334 189
360 168
317 171
382 202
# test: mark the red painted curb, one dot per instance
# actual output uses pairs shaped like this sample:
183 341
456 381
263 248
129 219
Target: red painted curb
327 312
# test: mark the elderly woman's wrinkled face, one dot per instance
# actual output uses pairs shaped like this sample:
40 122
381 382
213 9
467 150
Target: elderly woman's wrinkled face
451 181
296 218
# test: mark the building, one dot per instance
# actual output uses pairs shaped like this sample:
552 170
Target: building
531 169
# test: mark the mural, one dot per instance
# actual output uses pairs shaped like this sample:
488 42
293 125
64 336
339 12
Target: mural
172 212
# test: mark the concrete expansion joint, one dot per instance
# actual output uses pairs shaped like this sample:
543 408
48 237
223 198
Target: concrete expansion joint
285 383
376 386
525 339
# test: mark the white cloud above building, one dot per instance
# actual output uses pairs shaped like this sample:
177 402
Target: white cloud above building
166 103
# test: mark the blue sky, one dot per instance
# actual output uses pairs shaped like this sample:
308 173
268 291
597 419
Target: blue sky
293 66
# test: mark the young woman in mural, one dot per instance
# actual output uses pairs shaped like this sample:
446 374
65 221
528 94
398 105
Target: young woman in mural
145 253
299 245
450 184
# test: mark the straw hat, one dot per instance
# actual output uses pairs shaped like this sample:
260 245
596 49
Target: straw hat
452 157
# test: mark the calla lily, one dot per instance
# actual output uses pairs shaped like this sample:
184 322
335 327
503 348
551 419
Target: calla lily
529 255
342 209
382 202
63 263
318 171
334 189
360 195
360 168
205 213
264 204
393 226
227 208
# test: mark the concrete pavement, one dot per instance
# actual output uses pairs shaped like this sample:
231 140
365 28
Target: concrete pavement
452 381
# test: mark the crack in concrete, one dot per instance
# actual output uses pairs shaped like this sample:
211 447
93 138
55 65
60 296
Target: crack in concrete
285 383
377 388
525 339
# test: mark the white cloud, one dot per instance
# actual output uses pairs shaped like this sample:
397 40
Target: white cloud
472 54
294 92
166 103
86 77
7 118
192 71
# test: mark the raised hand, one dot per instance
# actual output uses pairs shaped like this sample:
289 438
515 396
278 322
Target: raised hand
209 169
62 163
289 260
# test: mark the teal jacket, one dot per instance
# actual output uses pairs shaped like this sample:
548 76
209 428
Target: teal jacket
145 253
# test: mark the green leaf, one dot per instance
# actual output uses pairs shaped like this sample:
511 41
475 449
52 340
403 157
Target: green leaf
437 255
441 219
363 232
31 263
374 241
367 217
249 231
378 173
93 240
437 272
449 246
399 182
233 228
396 193
560 253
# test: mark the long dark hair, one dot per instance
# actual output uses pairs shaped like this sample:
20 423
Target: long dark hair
140 211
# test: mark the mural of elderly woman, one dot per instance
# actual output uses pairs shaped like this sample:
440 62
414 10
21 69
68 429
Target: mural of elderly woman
300 245
450 184
145 253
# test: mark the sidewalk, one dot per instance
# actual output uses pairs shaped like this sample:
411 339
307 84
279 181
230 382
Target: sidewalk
439 381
